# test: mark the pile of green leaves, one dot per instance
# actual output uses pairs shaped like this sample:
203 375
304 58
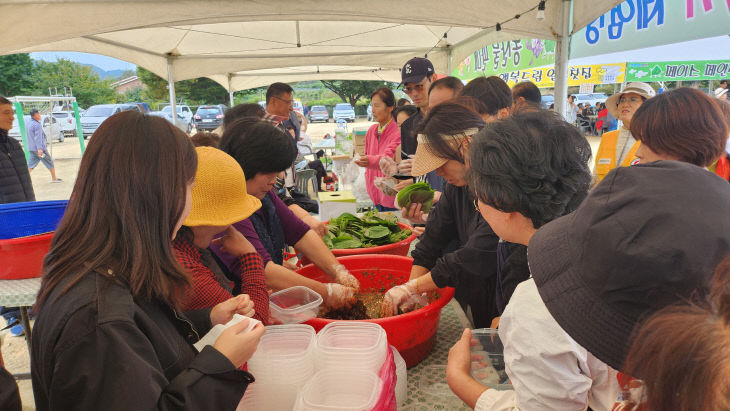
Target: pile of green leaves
416 193
350 231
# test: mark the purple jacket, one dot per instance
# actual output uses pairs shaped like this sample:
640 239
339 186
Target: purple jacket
294 230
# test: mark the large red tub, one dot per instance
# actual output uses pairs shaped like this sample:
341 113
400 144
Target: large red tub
23 257
399 248
413 334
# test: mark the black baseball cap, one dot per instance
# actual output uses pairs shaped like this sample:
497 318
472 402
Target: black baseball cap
415 70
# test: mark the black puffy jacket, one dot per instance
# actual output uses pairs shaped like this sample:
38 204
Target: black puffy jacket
15 184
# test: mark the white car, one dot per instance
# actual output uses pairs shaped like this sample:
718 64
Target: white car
183 112
66 120
593 98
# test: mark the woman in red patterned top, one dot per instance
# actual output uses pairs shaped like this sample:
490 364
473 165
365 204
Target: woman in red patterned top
219 199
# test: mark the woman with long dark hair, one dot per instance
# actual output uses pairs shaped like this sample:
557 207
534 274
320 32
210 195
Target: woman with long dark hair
109 333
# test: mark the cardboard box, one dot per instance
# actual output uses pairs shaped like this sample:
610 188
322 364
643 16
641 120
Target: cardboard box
332 204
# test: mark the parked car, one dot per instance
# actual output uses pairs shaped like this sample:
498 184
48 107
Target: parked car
370 112
593 98
95 115
343 111
298 107
546 100
181 123
66 122
184 112
319 113
209 117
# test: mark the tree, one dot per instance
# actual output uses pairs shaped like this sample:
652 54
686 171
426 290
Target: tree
16 75
350 91
87 87
156 85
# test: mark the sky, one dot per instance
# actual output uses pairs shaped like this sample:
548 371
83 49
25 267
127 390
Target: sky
713 48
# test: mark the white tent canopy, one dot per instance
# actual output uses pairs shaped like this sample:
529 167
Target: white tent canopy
189 39
258 78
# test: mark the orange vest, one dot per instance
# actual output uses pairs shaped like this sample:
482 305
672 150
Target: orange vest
606 155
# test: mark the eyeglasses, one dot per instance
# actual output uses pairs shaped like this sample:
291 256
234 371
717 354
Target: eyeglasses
289 102
415 87
630 100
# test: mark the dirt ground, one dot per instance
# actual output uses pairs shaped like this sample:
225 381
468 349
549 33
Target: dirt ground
67 157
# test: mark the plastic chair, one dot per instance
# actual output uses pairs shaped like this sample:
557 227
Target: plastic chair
342 123
303 179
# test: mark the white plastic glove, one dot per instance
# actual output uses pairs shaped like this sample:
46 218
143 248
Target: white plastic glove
405 297
388 166
342 276
339 296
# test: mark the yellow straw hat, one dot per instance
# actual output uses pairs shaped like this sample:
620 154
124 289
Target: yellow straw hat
219 192
426 160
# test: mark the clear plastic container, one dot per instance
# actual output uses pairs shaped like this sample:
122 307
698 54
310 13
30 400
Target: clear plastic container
294 305
487 365
266 397
401 382
351 346
285 355
340 390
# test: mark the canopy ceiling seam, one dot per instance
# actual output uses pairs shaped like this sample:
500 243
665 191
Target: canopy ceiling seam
123 46
233 35
288 56
355 34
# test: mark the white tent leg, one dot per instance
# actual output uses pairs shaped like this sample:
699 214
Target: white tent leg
171 87
230 90
562 53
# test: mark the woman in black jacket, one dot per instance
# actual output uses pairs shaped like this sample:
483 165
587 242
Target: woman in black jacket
109 333
471 269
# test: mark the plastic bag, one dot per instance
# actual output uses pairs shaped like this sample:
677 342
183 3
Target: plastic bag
360 190
388 166
386 185
386 400
352 171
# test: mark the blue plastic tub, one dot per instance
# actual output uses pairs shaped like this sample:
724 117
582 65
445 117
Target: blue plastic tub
30 218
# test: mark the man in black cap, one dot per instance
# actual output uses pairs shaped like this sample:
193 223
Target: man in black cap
646 237
417 75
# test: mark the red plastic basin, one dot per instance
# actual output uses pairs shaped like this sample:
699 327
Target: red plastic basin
399 248
23 257
413 334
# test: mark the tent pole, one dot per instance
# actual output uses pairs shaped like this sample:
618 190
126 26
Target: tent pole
562 53
230 89
171 87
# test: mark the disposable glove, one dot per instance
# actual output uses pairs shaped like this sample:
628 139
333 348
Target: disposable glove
405 297
342 276
339 296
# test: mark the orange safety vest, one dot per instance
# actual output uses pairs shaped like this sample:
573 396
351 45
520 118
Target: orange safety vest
606 155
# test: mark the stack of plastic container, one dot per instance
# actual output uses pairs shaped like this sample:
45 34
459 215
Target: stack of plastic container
401 385
351 346
266 397
283 361
348 357
487 354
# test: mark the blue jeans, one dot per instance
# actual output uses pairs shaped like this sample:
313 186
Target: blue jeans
384 208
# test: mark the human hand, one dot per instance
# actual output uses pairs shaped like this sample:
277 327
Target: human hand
418 231
405 166
40 153
459 362
289 265
223 312
342 276
238 345
317 226
362 161
339 296
414 214
403 184
234 243
495 323
403 296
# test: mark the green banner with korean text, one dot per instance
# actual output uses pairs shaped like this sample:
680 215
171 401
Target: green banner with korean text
678 70
505 57
636 24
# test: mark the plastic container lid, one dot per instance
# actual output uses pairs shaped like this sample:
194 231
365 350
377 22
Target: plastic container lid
294 305
488 366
